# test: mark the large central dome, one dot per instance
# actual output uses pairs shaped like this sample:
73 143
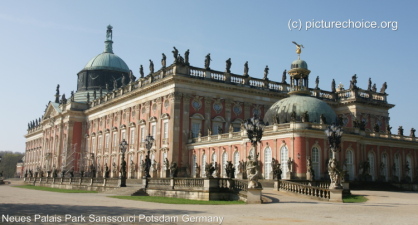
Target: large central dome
282 110
107 61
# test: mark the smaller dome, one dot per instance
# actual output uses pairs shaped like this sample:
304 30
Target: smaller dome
107 61
282 110
299 64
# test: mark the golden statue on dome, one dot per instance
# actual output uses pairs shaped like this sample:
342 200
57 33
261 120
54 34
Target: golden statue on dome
298 48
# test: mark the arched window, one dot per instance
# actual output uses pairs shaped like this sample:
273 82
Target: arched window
384 166
203 165
316 162
193 165
267 163
409 172
284 155
236 162
372 162
224 161
213 159
397 167
349 164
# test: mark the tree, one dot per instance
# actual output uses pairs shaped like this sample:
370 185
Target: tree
8 163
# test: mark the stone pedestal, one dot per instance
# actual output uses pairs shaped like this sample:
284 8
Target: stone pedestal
154 174
288 175
336 195
254 196
309 176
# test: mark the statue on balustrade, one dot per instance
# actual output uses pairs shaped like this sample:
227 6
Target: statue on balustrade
163 60
246 69
107 171
141 71
166 164
376 128
228 65
333 89
317 82
284 77
305 117
209 169
173 170
186 57
374 89
252 173
353 82
197 170
207 61
290 165
266 72
383 89
151 67
400 131
412 132
230 170
369 86
175 54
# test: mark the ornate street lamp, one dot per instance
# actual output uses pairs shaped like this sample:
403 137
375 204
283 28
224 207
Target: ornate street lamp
334 134
122 147
149 141
254 127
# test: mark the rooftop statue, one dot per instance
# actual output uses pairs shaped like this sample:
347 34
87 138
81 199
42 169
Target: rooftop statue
141 71
151 67
228 65
246 68
175 53
284 77
298 47
384 87
317 82
163 60
333 86
266 72
186 57
207 61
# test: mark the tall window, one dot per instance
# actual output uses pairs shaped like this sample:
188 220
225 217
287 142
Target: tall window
349 163
123 135
409 167
142 133
224 161
316 163
213 159
153 130
100 142
195 129
236 162
397 166
107 141
284 154
267 163
203 165
132 136
93 145
372 165
165 129
115 139
194 165
384 166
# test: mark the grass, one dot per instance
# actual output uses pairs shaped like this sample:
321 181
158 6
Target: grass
168 200
39 188
354 199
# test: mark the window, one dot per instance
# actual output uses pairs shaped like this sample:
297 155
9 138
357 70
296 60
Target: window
93 145
236 162
115 139
349 164
153 130
316 163
123 135
203 165
165 129
409 172
224 162
195 129
267 163
132 137
213 159
107 141
217 125
384 166
100 142
372 165
142 133
396 168
284 154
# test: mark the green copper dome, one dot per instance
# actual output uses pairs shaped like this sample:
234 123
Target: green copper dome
282 110
299 64
107 61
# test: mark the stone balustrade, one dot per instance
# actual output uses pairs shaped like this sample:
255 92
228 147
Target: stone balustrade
83 183
304 189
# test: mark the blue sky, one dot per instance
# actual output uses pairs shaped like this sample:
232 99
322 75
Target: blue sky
45 43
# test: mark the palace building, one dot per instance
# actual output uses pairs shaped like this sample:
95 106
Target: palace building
195 116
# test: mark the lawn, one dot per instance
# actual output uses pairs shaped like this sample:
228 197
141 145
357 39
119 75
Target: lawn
54 189
168 200
354 199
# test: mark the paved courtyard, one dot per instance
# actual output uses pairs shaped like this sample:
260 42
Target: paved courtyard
70 208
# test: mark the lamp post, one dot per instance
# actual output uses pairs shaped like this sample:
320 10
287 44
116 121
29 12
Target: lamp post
122 147
254 127
334 134
149 141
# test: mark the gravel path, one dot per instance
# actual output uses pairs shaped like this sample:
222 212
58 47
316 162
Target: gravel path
17 204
